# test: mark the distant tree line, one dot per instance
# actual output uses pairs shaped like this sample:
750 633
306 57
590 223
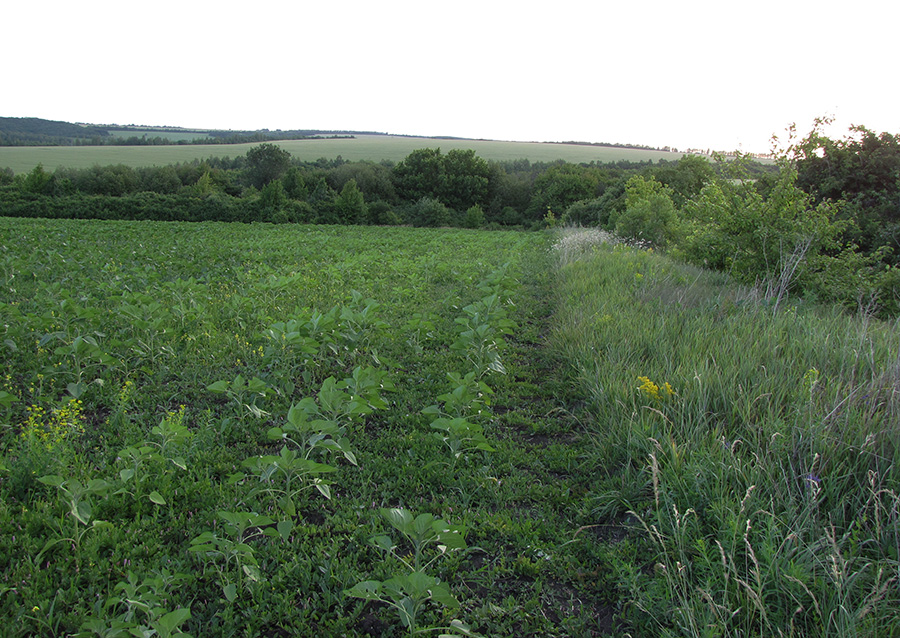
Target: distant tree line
427 188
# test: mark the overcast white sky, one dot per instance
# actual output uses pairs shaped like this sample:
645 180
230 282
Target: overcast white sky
693 73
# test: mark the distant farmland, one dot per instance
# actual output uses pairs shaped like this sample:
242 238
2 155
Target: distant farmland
172 136
363 147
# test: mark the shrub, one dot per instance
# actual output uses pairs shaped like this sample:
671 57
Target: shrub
649 213
474 217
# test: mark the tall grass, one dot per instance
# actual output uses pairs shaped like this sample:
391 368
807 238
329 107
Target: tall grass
756 449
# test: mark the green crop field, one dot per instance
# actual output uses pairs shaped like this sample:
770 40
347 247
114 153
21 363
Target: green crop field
173 136
216 429
364 147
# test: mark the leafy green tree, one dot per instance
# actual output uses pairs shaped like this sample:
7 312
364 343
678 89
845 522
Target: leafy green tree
430 212
351 205
649 212
37 180
159 179
732 226
685 178
460 179
561 186
418 175
474 217
272 196
265 163
375 181
294 182
381 214
863 172
464 180
508 190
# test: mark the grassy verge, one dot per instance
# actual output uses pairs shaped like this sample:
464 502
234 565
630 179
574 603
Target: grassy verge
752 455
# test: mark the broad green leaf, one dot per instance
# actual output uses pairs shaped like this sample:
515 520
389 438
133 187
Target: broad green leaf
287 506
367 590
285 528
230 591
417 584
76 389
324 488
400 518
422 524
462 628
102 525
157 498
441 593
218 386
52 480
97 486
383 542
169 623
407 609
82 511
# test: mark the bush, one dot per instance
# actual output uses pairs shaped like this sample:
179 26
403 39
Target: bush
381 214
649 213
430 212
474 217
586 212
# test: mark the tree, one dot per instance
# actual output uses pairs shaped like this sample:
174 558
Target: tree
374 180
265 163
351 205
560 186
686 177
37 180
460 179
862 171
418 175
464 180
649 212
474 217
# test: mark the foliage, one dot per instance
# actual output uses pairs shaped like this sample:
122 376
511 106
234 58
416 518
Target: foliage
753 451
733 227
265 163
459 180
862 171
649 214
430 212
559 187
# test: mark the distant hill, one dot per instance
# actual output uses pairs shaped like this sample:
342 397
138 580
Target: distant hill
33 131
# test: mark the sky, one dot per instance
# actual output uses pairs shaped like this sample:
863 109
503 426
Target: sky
688 74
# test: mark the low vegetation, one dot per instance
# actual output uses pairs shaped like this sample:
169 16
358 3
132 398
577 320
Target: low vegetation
753 453
679 420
